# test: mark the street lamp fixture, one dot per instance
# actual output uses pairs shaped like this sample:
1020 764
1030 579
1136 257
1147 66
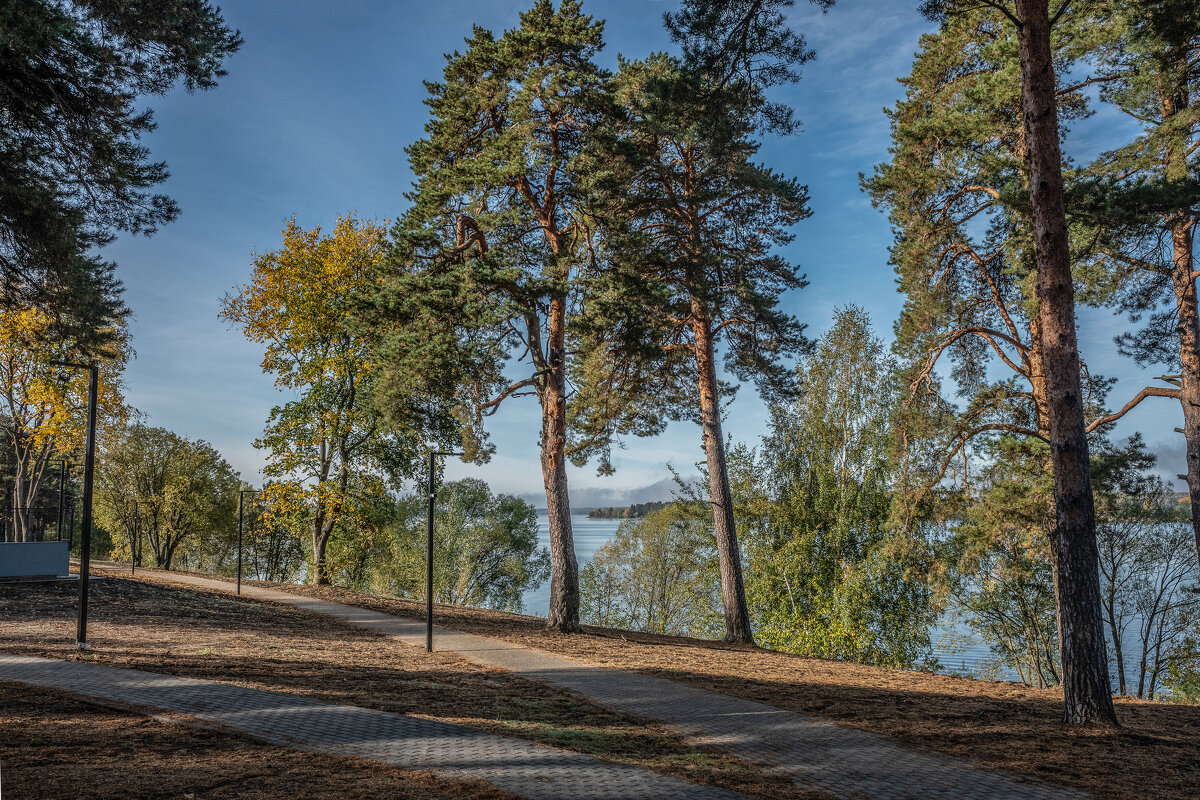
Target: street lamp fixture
429 555
89 465
241 498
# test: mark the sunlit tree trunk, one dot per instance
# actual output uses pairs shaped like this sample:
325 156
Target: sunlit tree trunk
1187 322
733 592
564 581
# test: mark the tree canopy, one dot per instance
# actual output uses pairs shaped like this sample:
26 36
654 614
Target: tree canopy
328 449
72 169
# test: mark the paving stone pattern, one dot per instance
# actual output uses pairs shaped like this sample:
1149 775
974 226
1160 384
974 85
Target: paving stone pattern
818 754
522 768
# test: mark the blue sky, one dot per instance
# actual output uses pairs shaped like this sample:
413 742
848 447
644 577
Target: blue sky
312 121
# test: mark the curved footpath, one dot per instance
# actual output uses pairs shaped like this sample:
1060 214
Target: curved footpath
523 768
817 754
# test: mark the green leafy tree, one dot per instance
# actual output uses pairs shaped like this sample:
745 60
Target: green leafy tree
329 452
1002 572
272 552
179 494
1182 676
658 574
486 551
829 574
42 407
488 252
72 170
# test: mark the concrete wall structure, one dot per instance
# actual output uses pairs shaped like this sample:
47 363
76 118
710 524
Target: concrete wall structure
34 559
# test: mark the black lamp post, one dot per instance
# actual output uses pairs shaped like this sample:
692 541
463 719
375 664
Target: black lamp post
62 494
89 464
241 497
429 556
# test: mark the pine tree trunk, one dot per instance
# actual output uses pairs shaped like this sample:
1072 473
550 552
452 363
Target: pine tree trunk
563 614
1187 324
1041 402
733 591
1188 327
1087 694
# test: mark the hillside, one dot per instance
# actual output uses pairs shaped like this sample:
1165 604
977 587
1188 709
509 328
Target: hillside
148 624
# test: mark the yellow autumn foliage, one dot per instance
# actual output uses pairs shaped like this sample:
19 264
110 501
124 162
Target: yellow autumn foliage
43 417
323 446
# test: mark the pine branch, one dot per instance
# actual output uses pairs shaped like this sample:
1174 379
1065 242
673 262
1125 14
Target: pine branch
1149 391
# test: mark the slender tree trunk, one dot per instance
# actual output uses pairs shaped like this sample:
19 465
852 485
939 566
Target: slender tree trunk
1041 403
733 590
1187 324
20 512
1086 691
564 570
320 540
1110 614
1188 327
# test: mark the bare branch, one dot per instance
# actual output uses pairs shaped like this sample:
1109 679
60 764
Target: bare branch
1149 391
490 406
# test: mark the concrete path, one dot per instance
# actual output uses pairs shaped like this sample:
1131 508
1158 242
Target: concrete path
523 768
817 754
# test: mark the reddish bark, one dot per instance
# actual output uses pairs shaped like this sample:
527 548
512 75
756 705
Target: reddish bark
1188 329
733 592
1187 324
563 614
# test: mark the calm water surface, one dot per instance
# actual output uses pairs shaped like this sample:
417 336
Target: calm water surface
953 644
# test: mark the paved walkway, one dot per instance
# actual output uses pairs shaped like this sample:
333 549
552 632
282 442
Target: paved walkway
817 754
523 768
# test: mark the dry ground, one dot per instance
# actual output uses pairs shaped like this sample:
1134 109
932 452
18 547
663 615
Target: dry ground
1004 725
54 745
215 636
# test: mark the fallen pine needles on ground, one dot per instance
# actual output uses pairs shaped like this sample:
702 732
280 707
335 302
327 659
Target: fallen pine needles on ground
1002 725
198 633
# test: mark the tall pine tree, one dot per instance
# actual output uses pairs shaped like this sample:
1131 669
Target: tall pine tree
73 173
1148 201
690 225
1087 697
486 256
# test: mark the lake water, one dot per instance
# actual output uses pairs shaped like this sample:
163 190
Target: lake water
958 650
590 535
